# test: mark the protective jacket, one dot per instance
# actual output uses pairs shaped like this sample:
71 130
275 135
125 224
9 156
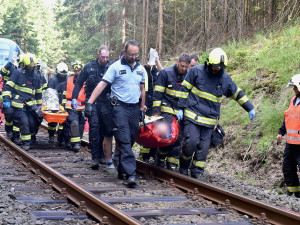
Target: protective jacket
167 91
92 74
201 95
292 123
68 96
56 80
152 78
7 71
23 88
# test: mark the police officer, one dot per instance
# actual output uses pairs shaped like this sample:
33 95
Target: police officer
152 68
166 94
60 77
12 127
291 127
76 118
92 74
200 98
127 78
24 93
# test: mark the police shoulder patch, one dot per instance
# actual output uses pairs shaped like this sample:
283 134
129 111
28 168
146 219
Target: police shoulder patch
122 72
139 72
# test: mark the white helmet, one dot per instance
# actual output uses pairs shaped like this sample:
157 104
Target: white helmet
62 68
295 81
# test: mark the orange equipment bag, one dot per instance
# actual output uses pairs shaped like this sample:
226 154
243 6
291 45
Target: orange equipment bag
148 138
55 117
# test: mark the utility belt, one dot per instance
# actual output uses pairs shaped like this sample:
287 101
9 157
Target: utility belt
114 101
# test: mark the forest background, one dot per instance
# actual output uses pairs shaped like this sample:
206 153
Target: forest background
261 38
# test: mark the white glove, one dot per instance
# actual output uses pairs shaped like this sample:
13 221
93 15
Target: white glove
14 61
153 55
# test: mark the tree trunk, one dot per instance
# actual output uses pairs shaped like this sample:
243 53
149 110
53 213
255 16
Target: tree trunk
226 16
124 18
272 10
240 19
203 28
209 21
134 19
145 29
175 27
160 26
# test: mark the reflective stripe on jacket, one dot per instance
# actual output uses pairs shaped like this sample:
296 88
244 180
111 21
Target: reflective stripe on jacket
201 95
167 90
292 123
81 96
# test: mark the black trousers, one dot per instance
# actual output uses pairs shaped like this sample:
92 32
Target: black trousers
28 123
126 122
75 122
290 166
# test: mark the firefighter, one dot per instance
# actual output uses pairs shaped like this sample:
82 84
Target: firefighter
24 93
165 103
92 74
200 102
291 127
60 77
127 79
76 118
153 67
12 126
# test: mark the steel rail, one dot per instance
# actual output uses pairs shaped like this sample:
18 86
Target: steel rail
95 207
242 204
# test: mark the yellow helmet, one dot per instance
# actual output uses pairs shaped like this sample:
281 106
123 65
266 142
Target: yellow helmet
77 65
217 57
29 59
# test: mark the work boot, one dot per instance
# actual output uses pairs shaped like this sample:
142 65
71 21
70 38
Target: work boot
130 182
17 141
9 134
110 165
67 145
102 161
60 143
76 147
171 166
26 147
51 139
95 164
196 175
297 194
160 163
33 140
183 171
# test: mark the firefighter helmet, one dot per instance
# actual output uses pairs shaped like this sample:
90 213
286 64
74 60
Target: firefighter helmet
29 59
77 65
217 57
62 68
295 81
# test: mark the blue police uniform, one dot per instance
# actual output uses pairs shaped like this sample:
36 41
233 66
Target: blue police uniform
92 74
166 95
12 126
53 83
200 97
125 91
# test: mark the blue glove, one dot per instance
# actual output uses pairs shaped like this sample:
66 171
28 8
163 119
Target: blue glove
180 114
74 104
252 114
6 105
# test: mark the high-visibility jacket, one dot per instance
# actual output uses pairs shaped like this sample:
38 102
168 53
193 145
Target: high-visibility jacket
292 123
81 96
7 71
23 88
167 91
201 95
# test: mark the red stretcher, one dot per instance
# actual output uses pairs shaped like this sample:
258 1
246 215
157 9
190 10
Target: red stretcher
148 138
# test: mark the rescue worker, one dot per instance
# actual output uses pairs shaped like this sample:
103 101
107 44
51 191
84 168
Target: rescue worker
92 74
76 118
152 68
12 126
24 93
127 79
291 127
200 98
60 77
194 61
165 103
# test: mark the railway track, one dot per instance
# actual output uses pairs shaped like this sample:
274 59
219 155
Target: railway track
62 179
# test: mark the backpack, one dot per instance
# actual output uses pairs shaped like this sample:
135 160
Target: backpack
217 136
